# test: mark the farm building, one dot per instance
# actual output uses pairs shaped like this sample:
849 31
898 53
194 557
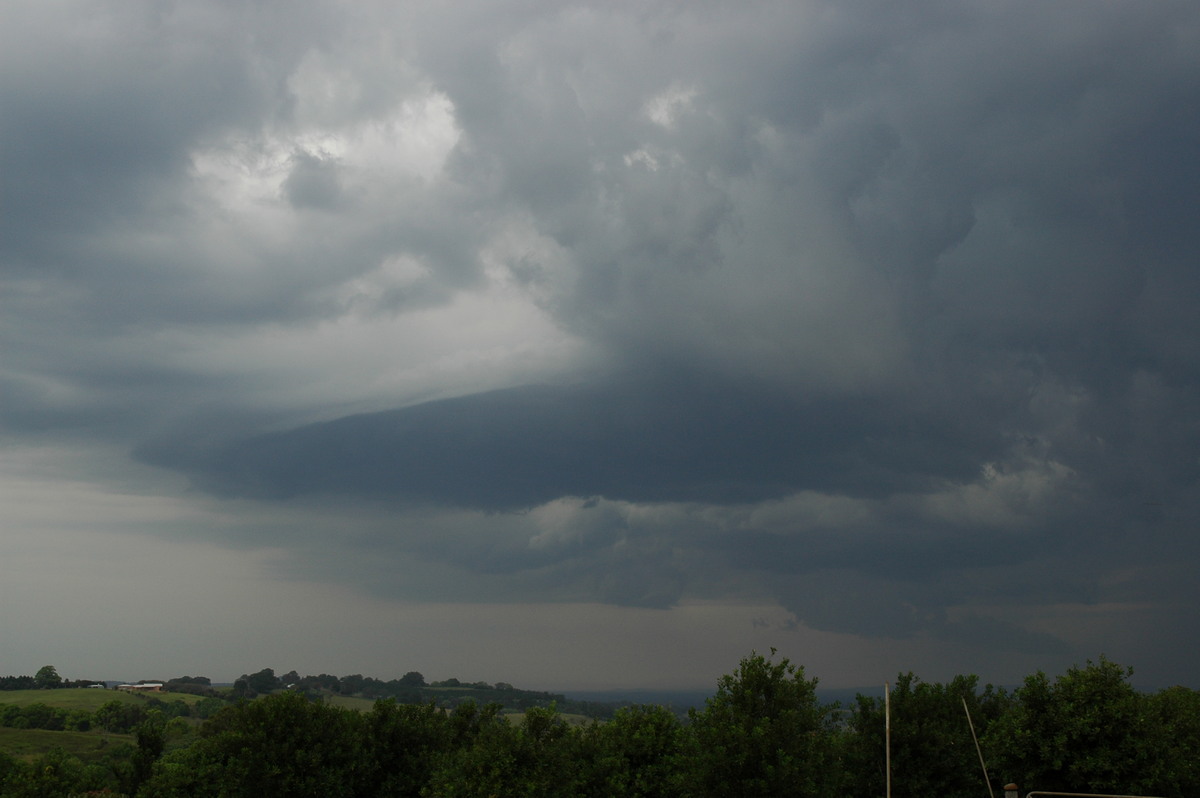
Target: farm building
150 687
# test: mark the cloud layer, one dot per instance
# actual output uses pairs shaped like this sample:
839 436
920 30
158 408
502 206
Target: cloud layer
881 316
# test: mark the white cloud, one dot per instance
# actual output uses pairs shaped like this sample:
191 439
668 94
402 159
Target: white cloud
372 361
667 108
1011 498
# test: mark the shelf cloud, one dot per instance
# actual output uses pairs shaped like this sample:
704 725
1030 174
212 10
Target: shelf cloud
882 319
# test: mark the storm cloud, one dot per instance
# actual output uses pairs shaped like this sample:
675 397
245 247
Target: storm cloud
884 317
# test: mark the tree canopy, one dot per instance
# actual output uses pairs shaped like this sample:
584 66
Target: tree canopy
764 732
47 678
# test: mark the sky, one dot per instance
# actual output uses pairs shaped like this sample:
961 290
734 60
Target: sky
594 345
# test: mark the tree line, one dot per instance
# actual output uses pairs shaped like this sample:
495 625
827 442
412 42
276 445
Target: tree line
763 733
408 689
118 717
411 688
46 678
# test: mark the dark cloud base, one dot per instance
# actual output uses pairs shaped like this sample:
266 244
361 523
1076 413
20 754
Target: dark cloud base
521 447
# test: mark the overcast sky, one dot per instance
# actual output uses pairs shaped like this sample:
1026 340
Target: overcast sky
587 345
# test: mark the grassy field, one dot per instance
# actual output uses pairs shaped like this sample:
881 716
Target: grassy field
367 704
350 702
517 718
85 698
88 746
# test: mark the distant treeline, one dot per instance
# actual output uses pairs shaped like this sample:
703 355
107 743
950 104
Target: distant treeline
764 733
411 688
119 717
408 689
47 678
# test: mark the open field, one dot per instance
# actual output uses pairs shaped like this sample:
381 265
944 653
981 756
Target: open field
85 698
516 718
367 704
351 702
88 746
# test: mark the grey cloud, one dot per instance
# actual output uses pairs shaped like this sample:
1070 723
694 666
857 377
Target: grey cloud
101 111
653 440
932 266
950 180
313 182
103 126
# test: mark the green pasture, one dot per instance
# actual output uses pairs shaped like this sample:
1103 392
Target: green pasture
88 746
350 702
513 717
517 718
86 698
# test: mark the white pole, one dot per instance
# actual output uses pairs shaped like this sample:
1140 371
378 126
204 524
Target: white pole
887 735
978 750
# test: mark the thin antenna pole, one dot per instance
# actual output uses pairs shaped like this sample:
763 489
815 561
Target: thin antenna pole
887 735
978 750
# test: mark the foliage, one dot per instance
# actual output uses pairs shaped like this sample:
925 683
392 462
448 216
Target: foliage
207 707
151 738
191 685
640 753
493 758
264 681
119 716
47 678
282 745
91 699
17 683
763 733
401 745
412 679
87 746
53 775
1083 732
1173 734
932 751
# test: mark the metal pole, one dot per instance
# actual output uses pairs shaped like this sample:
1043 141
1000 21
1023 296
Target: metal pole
978 750
887 735
1087 794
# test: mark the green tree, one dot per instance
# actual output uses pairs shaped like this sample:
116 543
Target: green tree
51 775
199 680
43 716
1173 740
412 679
932 751
351 684
763 734
207 707
118 717
538 759
78 720
9 767
280 745
638 753
402 746
264 681
1083 732
151 738
47 678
